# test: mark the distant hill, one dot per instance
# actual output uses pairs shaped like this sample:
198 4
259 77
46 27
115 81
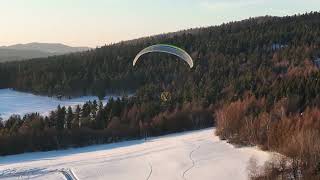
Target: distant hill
35 50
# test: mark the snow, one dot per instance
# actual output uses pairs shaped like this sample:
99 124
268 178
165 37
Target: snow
14 102
192 155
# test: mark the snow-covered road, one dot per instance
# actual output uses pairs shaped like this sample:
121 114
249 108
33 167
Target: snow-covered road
191 155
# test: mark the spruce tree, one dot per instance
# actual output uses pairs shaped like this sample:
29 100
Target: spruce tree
60 117
100 117
76 118
69 118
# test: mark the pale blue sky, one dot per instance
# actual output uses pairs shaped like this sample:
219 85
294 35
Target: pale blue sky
98 22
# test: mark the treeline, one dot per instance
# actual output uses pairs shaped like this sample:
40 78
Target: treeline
95 123
281 128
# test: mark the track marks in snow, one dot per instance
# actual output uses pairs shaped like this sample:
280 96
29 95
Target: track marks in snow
15 173
36 172
68 174
193 162
183 156
150 172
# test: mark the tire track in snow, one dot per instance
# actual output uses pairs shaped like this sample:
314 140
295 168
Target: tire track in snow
150 173
193 163
68 174
12 173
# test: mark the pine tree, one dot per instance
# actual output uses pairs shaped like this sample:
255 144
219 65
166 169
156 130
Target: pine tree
69 118
94 108
100 117
1 124
60 117
86 110
76 119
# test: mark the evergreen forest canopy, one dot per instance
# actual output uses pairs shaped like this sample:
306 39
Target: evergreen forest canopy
266 55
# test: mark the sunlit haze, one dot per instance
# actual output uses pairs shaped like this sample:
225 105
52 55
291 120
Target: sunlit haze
98 22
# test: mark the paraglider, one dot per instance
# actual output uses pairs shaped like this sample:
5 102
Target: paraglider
165 48
165 96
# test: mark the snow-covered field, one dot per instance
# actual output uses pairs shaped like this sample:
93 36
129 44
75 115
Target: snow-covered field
192 155
14 102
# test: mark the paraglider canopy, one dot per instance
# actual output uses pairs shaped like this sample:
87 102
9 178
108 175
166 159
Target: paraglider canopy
165 48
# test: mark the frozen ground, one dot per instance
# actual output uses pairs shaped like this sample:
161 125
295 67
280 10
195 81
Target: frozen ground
14 102
192 155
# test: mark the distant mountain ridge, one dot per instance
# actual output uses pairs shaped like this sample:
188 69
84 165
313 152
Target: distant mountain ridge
36 50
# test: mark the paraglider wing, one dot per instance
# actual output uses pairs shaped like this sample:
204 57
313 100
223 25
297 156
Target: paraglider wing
164 48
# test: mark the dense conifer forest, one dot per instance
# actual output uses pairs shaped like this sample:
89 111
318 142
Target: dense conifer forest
265 55
256 79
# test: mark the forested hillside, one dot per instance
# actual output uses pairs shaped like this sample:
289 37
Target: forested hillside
265 55
256 79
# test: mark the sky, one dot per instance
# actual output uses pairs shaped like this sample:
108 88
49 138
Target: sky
98 22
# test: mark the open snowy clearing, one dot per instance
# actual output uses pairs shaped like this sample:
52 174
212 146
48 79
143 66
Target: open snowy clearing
14 102
191 155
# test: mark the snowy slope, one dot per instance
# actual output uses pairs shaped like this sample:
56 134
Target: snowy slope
192 155
14 102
